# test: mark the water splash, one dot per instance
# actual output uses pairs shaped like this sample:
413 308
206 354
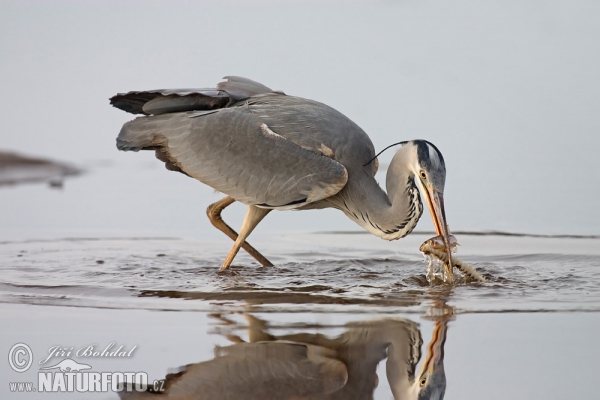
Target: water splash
436 270
434 251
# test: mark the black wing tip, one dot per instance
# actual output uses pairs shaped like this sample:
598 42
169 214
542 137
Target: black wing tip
123 105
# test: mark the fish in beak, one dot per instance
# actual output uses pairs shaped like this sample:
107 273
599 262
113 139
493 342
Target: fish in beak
435 201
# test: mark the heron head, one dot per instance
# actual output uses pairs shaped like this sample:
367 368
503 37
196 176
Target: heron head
429 166
426 164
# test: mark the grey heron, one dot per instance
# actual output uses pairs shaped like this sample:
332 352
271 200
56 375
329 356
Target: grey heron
315 366
272 151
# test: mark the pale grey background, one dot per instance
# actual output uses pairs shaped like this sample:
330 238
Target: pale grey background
508 90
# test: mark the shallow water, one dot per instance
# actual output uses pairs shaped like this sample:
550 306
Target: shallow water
81 291
356 274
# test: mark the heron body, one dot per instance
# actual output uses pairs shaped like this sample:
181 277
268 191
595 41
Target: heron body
272 151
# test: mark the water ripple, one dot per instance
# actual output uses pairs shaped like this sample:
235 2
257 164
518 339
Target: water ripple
121 274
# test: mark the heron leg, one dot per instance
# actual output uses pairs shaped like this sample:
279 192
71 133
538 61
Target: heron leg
214 215
253 217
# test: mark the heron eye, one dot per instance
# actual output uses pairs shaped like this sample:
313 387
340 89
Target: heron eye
423 382
423 174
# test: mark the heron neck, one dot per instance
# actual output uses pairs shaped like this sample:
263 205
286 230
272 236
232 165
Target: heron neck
390 215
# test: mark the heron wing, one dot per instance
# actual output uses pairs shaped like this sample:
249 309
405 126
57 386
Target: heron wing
311 125
162 101
236 153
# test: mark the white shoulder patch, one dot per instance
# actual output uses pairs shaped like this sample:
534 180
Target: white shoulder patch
268 132
327 152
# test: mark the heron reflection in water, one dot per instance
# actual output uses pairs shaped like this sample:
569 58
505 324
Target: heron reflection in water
313 366
271 151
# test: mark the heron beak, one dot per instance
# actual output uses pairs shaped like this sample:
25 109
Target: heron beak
435 201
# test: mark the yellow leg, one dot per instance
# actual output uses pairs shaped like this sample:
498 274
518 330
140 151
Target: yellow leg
253 217
214 215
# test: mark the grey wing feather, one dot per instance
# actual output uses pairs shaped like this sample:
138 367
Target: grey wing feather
234 152
315 126
242 88
162 101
